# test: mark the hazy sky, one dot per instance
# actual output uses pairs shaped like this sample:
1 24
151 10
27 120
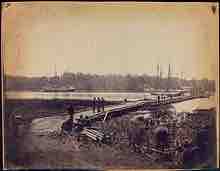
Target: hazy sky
111 38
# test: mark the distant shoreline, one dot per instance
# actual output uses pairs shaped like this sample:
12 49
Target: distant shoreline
108 96
86 91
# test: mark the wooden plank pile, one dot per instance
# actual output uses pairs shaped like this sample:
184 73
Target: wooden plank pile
96 135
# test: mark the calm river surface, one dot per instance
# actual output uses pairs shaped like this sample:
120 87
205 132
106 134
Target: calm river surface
186 106
76 95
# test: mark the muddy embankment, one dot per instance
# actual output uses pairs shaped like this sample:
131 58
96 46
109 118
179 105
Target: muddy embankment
30 109
126 150
53 151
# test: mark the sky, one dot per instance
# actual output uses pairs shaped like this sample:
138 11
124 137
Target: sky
110 38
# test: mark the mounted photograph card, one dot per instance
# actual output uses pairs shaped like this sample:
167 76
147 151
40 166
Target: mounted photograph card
110 85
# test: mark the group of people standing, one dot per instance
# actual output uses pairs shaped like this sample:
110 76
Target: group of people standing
161 99
98 104
74 126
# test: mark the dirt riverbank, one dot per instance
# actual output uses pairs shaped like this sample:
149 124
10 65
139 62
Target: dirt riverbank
49 150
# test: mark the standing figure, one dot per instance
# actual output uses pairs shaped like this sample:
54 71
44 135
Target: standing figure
71 111
80 122
87 121
67 126
94 104
158 98
98 104
103 104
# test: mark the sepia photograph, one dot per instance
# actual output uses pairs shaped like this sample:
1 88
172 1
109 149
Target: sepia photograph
110 85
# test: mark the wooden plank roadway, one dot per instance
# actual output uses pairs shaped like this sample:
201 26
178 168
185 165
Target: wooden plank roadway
117 110
53 123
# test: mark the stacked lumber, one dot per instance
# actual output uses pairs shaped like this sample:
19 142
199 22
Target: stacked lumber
95 135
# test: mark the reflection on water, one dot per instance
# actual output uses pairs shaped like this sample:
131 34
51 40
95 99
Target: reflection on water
186 106
190 105
75 95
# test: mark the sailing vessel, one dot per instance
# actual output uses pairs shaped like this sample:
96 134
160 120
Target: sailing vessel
58 89
168 92
54 88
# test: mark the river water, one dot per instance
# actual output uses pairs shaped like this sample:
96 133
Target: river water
186 106
76 95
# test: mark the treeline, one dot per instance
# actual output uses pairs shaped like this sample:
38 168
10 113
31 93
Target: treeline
111 82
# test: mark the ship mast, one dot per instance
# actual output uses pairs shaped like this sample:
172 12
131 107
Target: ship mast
161 73
158 70
158 76
168 78
55 71
181 76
